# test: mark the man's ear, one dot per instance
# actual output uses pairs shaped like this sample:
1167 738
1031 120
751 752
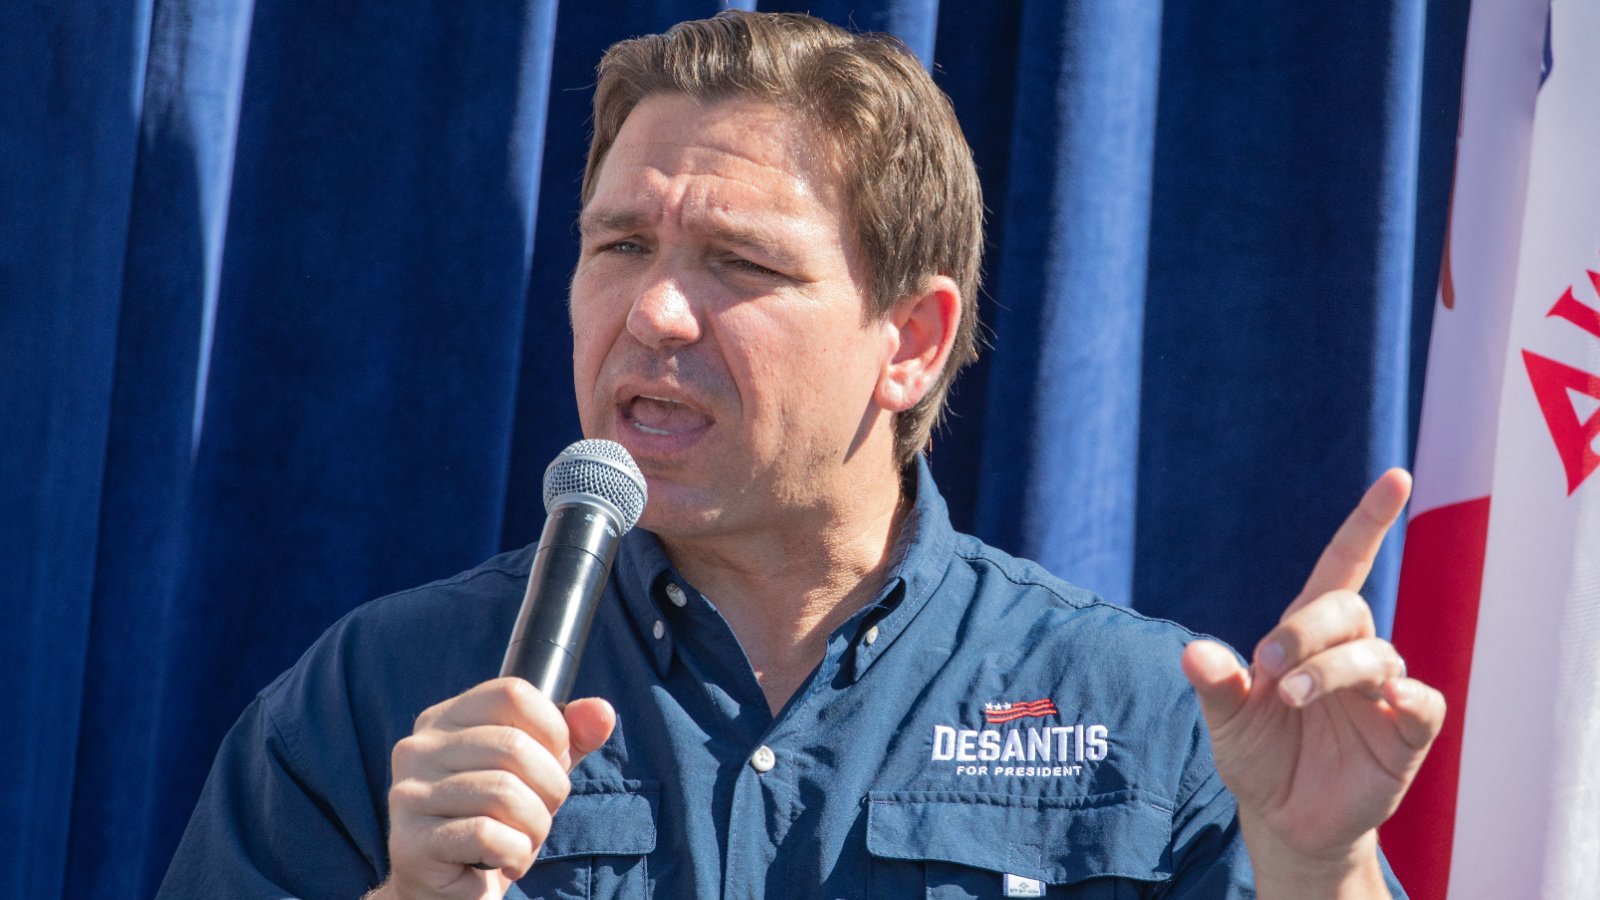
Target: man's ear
922 327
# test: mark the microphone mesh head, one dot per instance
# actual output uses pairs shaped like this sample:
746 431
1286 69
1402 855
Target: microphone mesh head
601 469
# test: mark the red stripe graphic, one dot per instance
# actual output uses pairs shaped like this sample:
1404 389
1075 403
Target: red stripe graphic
1436 621
1012 711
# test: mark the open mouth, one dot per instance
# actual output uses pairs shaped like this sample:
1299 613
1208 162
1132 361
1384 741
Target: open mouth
663 417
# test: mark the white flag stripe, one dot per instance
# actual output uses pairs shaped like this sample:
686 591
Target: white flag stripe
1528 810
1467 347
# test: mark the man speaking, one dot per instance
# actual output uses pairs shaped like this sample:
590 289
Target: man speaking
801 682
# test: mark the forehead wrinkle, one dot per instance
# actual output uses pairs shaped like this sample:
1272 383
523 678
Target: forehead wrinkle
784 149
767 230
760 178
792 158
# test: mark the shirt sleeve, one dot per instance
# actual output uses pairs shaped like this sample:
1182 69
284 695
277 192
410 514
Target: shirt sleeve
1208 853
296 804
267 826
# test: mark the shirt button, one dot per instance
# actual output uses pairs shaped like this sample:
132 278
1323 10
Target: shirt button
763 759
871 637
659 630
675 594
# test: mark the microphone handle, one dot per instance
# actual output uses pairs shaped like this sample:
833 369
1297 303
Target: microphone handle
576 549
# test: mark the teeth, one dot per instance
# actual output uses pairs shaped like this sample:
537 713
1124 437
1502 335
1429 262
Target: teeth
662 416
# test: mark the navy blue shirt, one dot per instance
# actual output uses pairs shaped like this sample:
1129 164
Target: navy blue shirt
983 729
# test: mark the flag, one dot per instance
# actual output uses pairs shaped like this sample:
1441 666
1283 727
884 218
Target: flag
1499 603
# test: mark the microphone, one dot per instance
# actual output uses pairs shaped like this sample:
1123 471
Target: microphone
593 493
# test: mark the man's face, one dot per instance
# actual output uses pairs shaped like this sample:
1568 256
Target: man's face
718 320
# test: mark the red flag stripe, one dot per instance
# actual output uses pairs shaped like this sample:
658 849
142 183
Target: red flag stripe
1436 620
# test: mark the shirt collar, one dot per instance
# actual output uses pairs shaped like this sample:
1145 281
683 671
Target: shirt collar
642 573
921 558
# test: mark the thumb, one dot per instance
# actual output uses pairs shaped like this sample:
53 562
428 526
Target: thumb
1219 680
589 723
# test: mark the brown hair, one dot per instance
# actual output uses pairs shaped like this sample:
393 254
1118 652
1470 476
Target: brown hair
911 187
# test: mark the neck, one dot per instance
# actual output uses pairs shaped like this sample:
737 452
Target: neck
784 593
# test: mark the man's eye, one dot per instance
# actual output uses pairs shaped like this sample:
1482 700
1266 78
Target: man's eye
749 266
622 247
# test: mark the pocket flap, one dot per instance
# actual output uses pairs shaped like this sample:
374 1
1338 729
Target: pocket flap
604 819
1057 841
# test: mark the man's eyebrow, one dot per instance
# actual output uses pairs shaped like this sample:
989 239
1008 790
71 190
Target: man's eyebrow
736 235
744 237
609 220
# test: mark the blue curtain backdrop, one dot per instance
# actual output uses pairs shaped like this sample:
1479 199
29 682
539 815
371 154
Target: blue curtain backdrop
282 328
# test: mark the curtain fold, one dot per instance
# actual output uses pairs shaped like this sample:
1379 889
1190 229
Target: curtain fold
68 134
283 328
1279 301
1059 480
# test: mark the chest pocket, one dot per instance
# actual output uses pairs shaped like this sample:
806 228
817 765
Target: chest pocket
961 844
598 845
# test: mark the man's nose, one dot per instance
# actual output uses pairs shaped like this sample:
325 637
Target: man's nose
662 313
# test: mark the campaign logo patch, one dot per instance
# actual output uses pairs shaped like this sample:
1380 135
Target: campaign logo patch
1017 740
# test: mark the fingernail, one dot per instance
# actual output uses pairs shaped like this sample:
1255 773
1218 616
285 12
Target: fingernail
566 760
1297 688
1404 692
1271 657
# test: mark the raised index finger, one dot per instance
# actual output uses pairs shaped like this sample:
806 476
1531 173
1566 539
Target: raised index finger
1346 561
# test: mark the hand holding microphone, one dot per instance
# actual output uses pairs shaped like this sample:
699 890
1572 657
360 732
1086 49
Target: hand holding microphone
481 776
